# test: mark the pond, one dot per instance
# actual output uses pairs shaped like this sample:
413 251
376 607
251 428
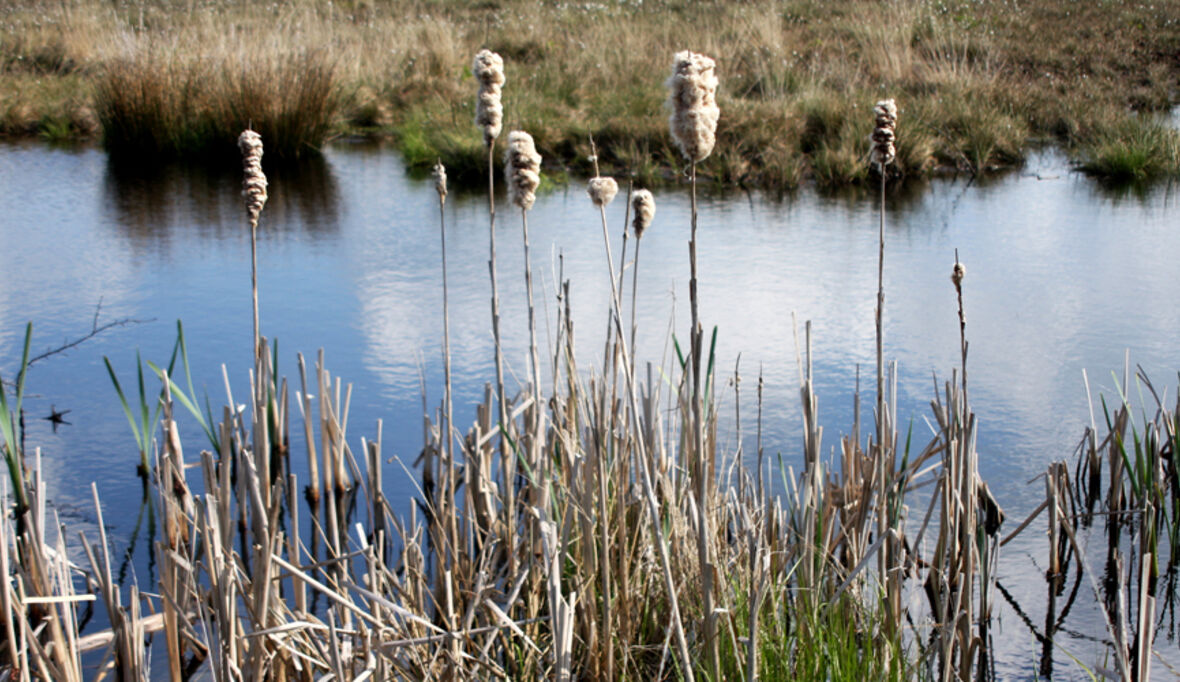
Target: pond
1063 276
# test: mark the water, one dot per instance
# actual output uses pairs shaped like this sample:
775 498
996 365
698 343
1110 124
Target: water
1062 276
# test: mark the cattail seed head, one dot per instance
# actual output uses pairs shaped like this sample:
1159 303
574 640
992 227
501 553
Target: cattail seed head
254 180
522 168
693 98
885 117
488 69
440 180
602 190
643 205
958 273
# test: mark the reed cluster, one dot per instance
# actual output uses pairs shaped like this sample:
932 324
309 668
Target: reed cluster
158 103
593 528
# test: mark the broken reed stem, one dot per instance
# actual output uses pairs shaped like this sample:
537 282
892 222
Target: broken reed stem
536 437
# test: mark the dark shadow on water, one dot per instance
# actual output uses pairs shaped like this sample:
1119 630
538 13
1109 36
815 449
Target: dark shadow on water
148 201
1118 191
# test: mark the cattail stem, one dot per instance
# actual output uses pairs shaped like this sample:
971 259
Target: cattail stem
536 438
884 465
254 288
507 461
634 291
448 448
704 473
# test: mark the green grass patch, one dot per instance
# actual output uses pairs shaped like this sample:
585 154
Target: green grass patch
1132 150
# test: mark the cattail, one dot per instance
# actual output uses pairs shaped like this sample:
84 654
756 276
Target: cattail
254 182
488 69
883 152
693 97
602 190
958 273
643 204
440 180
522 167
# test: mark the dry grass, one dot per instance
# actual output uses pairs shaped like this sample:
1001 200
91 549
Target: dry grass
975 82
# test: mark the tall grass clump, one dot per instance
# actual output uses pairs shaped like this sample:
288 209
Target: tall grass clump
164 102
1132 150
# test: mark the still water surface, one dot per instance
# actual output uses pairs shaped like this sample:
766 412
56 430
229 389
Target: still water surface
1062 276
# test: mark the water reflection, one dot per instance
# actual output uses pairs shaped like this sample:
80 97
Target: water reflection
147 201
1142 192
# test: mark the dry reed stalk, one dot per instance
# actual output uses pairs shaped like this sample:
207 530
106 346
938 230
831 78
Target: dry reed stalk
447 509
488 69
522 167
313 469
693 122
882 154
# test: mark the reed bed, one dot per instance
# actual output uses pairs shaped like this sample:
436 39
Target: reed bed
594 528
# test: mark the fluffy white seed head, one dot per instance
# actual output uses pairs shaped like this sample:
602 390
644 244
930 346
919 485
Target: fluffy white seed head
440 180
522 169
488 69
602 190
958 272
254 180
643 206
692 94
885 125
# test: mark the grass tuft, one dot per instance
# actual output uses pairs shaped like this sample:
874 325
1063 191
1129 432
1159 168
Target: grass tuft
1133 150
158 104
